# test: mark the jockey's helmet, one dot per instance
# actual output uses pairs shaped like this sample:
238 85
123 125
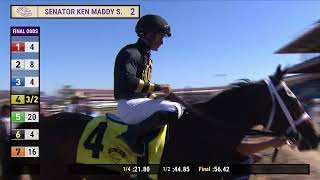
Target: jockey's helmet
152 23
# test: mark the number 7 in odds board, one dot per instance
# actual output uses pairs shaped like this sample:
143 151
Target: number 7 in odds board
17 151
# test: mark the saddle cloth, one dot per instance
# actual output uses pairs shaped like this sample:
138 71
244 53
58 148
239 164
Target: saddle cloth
99 144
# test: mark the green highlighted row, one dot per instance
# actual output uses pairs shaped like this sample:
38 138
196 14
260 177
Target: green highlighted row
19 117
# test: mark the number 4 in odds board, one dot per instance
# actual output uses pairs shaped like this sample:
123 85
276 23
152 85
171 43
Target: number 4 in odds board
18 99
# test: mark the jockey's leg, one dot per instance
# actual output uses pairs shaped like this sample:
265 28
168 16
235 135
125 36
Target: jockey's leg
137 110
143 116
136 134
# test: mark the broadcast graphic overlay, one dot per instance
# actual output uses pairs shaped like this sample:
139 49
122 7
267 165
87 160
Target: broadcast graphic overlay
25 96
75 11
203 169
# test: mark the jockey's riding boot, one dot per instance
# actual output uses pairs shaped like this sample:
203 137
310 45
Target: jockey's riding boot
135 136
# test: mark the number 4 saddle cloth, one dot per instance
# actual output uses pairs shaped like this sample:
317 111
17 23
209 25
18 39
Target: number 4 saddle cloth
99 144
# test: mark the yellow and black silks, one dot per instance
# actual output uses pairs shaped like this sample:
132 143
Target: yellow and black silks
99 144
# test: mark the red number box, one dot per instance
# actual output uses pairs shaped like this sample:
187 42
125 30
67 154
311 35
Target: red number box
17 47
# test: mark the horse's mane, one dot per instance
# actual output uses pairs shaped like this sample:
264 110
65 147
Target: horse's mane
237 92
235 87
241 83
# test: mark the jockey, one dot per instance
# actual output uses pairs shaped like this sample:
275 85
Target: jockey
133 89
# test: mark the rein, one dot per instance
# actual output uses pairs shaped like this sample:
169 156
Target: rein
254 132
173 97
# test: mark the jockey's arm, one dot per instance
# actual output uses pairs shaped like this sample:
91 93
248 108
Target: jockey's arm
129 72
247 148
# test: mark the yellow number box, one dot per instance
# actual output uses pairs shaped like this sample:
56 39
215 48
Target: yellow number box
18 99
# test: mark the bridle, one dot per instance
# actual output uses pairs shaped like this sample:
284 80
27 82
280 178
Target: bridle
275 97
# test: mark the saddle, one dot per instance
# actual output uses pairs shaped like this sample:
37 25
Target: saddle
100 143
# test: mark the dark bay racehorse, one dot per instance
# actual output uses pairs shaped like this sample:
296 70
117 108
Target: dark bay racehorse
209 133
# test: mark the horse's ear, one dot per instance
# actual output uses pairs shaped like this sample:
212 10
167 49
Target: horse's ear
278 75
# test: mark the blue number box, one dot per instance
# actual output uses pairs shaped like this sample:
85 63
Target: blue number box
17 81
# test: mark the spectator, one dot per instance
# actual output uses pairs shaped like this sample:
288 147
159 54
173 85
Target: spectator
44 109
74 106
5 119
79 104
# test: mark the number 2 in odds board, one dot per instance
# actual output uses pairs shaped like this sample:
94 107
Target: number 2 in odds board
25 64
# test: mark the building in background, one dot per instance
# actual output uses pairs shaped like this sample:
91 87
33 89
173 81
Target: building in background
102 99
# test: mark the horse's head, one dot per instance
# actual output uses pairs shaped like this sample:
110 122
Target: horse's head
287 116
227 117
270 103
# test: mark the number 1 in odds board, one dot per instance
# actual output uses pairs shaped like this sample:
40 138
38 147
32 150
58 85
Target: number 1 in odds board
25 92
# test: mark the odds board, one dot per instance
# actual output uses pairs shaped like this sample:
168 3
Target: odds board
25 96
